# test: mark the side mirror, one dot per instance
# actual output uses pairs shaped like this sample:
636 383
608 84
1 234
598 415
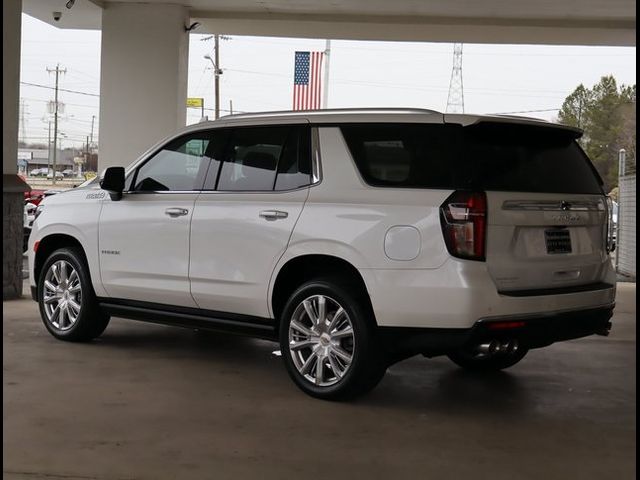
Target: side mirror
112 181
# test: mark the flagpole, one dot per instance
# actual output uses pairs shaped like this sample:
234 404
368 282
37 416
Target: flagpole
325 82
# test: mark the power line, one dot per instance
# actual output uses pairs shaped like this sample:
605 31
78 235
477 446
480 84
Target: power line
346 82
94 107
61 89
92 77
77 120
204 71
225 110
74 139
509 92
527 111
410 86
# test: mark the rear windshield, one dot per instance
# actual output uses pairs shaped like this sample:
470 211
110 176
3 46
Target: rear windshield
485 156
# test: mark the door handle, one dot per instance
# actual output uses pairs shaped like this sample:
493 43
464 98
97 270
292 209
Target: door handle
273 214
176 212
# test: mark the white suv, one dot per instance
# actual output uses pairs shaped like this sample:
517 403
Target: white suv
356 238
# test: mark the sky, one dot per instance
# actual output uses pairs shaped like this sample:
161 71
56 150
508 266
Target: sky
258 76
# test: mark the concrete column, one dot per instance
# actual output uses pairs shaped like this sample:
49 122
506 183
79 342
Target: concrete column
12 186
143 79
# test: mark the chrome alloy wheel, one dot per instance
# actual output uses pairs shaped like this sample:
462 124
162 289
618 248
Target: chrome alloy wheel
62 295
321 340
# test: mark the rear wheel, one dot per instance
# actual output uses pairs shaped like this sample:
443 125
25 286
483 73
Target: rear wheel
68 305
328 342
470 359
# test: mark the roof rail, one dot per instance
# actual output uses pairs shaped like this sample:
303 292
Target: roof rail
328 111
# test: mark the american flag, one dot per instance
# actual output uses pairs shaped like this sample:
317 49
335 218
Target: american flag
307 80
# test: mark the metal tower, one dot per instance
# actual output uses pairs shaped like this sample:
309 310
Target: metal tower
455 100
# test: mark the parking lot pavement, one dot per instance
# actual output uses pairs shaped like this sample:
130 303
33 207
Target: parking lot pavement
155 402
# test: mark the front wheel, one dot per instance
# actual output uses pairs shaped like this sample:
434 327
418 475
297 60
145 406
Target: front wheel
68 305
328 341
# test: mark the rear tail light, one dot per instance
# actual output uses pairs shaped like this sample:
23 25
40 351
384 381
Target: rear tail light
463 217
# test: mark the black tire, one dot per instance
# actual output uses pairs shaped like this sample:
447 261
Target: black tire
488 363
90 321
368 364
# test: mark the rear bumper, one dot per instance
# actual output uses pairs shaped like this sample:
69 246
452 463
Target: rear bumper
531 331
459 292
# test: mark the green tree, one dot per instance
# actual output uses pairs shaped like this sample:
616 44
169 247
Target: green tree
574 106
628 94
606 113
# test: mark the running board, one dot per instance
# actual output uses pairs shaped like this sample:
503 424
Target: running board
192 318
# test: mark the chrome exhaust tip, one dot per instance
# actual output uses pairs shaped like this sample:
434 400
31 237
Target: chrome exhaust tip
511 346
488 348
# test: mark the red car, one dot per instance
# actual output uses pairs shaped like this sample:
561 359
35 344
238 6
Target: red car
34 196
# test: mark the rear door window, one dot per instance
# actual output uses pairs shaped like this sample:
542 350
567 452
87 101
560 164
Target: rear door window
268 158
252 159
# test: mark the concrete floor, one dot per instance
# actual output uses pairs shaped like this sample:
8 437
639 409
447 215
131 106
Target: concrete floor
154 402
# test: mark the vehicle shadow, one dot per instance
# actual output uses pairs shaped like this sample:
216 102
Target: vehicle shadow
419 384
442 387
173 342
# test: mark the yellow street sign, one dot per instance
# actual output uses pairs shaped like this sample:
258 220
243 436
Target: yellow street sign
195 102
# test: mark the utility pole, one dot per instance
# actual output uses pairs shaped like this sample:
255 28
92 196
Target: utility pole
217 71
49 149
455 100
93 118
231 106
216 40
86 159
55 119
327 58
216 80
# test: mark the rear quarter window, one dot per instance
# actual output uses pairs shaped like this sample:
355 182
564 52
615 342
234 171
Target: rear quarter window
403 155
